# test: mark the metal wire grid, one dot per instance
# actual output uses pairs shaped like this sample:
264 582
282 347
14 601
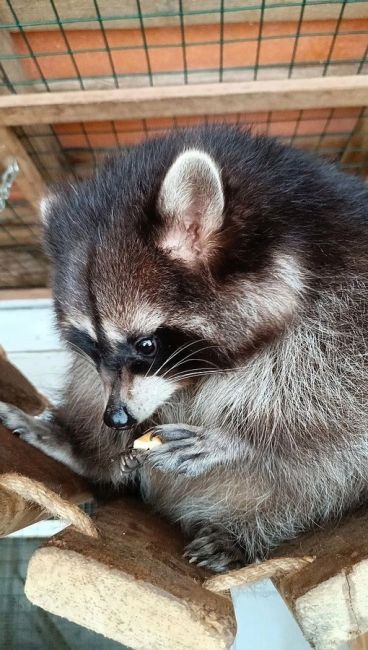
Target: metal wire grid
22 262
87 44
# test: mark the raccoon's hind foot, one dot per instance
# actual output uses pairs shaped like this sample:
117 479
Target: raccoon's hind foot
44 434
214 549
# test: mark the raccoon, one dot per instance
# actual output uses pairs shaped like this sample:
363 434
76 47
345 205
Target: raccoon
212 287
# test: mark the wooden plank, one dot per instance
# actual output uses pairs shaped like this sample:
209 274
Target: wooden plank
330 595
29 179
361 643
170 101
163 13
22 266
356 150
24 294
137 588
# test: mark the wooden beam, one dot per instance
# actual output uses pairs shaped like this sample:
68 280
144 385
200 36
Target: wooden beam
25 294
171 101
164 13
361 643
17 390
29 179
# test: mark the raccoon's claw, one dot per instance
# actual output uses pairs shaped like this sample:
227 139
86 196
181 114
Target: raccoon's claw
130 461
214 550
172 432
185 450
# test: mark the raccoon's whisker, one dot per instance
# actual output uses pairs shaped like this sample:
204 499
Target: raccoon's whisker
153 361
196 373
189 370
81 353
189 357
204 371
176 352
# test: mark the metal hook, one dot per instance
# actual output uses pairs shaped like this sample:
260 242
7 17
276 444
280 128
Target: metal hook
6 182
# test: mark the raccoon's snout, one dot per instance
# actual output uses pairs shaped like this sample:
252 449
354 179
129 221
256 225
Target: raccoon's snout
117 416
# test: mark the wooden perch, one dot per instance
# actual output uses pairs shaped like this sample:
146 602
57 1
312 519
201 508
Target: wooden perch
131 585
32 485
323 577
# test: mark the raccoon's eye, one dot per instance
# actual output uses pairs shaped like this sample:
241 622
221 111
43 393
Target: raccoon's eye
146 346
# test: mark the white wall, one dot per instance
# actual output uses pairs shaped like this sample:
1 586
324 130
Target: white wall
28 335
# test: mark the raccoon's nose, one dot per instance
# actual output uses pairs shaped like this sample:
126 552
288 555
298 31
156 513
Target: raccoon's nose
118 417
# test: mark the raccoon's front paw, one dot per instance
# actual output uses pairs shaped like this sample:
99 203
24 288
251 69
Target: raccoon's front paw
23 425
185 449
214 549
130 461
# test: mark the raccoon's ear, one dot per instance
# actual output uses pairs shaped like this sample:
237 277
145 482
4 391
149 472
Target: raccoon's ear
191 200
46 205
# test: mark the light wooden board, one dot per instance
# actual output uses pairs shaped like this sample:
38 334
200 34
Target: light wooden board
24 294
161 13
211 99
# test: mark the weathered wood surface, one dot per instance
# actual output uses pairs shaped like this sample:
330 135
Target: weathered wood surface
138 560
132 584
24 294
171 101
25 472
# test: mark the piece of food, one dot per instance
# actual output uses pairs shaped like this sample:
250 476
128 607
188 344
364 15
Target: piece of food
147 442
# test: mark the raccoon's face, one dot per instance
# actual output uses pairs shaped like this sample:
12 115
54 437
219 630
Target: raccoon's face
142 286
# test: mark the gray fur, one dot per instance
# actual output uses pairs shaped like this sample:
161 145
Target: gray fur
270 440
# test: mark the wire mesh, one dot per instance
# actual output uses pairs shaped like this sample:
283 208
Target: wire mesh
93 43
52 45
